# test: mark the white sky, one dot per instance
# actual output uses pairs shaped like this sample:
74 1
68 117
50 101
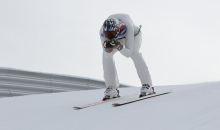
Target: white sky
180 38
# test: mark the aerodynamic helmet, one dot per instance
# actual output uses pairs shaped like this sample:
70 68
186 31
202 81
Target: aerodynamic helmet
111 28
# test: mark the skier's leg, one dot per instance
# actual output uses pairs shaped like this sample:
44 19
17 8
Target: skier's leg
139 62
110 73
110 76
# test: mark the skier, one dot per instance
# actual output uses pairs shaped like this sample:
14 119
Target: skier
118 33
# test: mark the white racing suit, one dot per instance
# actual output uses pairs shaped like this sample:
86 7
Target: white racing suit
131 48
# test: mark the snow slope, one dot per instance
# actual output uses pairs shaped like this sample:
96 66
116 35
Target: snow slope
189 107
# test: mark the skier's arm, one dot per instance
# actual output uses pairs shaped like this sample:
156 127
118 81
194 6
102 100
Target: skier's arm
129 36
129 42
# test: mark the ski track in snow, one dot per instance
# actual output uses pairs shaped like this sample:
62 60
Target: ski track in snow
188 107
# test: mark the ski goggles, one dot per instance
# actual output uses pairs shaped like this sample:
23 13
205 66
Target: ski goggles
110 34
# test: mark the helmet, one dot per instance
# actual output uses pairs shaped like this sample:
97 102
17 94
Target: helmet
111 28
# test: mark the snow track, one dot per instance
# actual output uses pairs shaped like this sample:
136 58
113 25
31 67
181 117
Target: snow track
188 107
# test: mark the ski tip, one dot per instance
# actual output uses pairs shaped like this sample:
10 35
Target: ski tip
77 108
115 104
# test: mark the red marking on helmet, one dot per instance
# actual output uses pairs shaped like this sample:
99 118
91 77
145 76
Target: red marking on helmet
123 31
122 26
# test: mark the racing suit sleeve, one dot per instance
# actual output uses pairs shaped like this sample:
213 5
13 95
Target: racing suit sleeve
129 36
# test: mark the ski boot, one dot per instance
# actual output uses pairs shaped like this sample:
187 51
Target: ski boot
111 92
146 90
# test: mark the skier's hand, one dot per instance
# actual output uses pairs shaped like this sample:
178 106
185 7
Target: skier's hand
110 45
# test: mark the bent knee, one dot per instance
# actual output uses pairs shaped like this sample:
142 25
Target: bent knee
107 55
136 54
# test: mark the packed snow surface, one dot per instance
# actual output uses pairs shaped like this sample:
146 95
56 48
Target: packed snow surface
188 107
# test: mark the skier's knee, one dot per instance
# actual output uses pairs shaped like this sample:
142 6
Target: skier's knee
107 56
135 54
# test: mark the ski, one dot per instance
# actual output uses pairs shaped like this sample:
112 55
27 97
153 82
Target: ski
100 102
142 98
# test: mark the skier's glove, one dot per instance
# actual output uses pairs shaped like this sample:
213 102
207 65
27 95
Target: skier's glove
110 45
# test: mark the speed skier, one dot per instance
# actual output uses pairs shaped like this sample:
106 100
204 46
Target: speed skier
118 33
